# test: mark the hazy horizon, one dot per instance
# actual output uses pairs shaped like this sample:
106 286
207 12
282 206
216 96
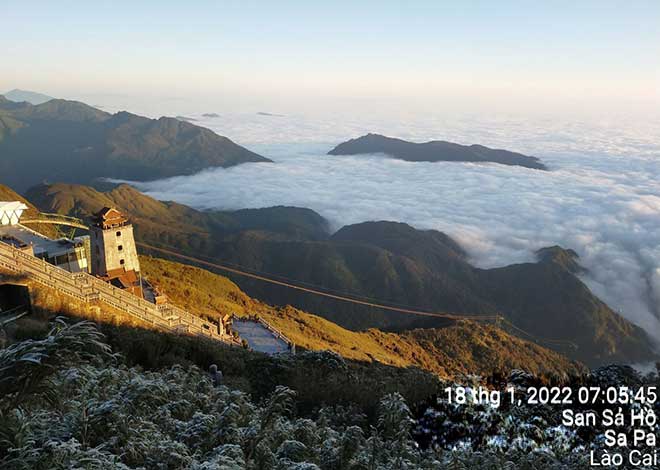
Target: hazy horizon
270 290
576 85
560 58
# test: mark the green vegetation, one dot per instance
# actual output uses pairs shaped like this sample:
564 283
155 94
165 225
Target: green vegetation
388 261
320 378
177 225
68 400
70 141
81 407
458 348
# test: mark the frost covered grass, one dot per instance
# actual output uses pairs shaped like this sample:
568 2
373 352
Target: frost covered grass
68 402
531 436
101 413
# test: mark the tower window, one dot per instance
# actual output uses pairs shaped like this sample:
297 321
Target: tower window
119 234
120 247
121 261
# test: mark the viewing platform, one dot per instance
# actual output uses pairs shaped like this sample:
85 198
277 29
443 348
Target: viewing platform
261 337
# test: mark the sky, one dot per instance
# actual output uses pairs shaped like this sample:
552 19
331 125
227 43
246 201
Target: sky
576 83
286 56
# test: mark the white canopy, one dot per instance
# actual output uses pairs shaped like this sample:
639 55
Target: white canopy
10 212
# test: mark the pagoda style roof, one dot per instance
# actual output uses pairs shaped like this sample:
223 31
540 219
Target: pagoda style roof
109 217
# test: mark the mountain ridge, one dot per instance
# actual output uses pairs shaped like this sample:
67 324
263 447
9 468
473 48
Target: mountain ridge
388 261
459 348
433 151
73 142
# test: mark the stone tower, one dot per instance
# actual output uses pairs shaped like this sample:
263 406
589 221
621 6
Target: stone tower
113 247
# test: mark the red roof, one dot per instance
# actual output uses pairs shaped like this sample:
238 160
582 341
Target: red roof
126 280
109 217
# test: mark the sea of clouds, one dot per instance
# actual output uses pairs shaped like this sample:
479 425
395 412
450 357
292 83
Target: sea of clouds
601 197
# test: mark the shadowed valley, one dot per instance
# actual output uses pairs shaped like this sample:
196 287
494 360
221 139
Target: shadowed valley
391 262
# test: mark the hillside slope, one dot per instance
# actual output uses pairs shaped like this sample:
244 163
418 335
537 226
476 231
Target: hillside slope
459 348
174 224
69 141
391 262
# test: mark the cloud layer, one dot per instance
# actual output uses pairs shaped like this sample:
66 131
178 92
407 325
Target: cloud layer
602 197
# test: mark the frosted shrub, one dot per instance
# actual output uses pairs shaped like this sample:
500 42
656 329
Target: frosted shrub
67 402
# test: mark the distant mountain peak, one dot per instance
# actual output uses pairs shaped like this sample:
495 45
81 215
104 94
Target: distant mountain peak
433 151
65 110
31 97
566 258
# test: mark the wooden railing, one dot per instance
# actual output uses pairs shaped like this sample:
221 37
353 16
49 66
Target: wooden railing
87 288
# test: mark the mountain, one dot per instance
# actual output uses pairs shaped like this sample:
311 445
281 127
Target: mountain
459 348
125 372
391 262
132 397
174 224
70 141
434 151
29 96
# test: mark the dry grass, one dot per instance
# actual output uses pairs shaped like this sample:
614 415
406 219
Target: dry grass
461 348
